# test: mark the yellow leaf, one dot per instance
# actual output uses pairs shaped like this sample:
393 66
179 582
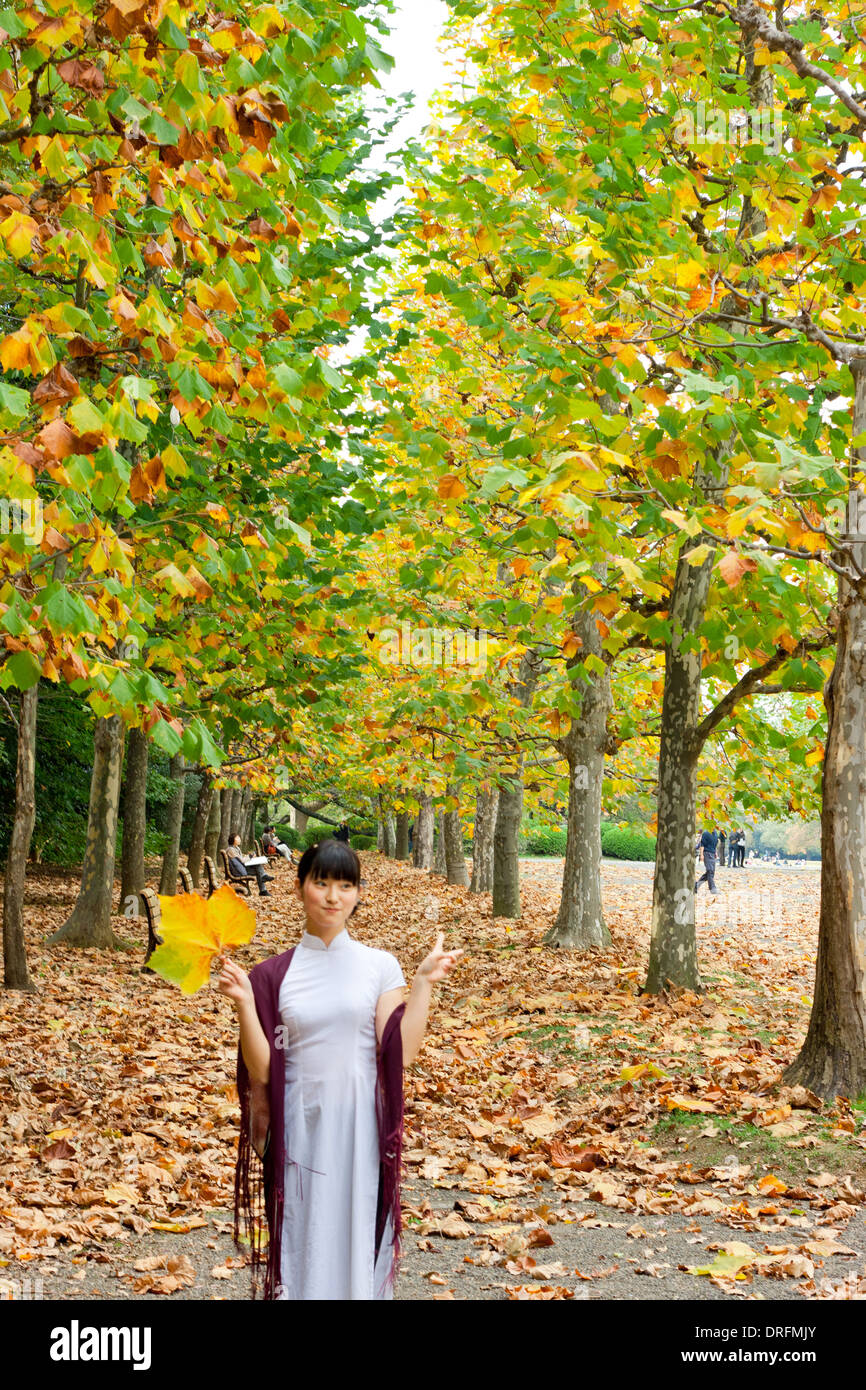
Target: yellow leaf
194 931
697 556
18 231
676 1102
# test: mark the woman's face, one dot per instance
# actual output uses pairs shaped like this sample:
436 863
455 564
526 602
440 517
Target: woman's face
328 901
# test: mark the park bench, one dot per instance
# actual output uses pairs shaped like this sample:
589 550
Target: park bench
235 879
210 874
153 912
185 881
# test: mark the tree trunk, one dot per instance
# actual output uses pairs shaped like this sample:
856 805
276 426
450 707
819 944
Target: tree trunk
171 855
90 921
440 863
832 1060
212 834
401 847
673 956
196 851
673 946
226 796
422 845
132 874
390 834
15 972
455 860
236 816
245 817
506 848
486 801
301 819
580 923
509 814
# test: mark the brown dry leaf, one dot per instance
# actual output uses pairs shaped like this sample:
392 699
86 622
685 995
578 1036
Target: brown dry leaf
522 1292
582 1160
540 1126
164 1274
454 1226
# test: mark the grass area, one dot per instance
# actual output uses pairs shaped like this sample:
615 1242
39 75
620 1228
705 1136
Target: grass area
751 1144
557 1039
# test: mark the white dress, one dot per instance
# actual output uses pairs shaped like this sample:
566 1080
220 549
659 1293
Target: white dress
327 1004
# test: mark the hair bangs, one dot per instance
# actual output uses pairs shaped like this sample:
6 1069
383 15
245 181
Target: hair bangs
330 859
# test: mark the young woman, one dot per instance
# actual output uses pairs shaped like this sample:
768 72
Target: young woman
324 1037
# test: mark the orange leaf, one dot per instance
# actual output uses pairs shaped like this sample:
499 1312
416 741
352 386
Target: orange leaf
451 487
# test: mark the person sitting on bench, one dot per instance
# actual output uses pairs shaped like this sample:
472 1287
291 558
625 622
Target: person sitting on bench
242 870
272 844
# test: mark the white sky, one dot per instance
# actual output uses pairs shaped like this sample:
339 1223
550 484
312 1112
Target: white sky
418 67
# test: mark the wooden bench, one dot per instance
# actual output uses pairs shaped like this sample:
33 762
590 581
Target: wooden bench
153 913
185 882
235 879
210 874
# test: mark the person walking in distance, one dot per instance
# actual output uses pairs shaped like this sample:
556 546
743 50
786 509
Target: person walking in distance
707 844
741 850
722 843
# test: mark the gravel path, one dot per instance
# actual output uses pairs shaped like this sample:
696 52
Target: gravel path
621 1255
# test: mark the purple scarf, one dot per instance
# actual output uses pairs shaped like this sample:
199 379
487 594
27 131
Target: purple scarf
259 1185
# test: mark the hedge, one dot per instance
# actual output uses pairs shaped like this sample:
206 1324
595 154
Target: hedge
627 844
615 843
545 840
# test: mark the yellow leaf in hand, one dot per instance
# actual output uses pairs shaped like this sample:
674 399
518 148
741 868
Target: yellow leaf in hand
194 931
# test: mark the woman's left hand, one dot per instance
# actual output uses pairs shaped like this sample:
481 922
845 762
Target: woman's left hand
439 962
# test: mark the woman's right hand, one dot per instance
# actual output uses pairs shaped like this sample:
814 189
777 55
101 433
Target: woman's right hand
234 983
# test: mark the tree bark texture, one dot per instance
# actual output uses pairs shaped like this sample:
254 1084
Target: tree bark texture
455 860
195 853
132 875
486 801
90 921
422 845
15 972
171 854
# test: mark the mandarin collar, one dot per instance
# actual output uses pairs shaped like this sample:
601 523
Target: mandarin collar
315 943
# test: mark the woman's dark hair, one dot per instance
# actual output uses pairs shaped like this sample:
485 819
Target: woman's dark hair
233 839
330 859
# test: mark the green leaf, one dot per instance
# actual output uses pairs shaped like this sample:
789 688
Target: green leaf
68 613
14 402
21 670
165 737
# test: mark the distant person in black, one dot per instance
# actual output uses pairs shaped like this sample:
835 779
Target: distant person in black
342 833
722 842
708 843
733 846
741 850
